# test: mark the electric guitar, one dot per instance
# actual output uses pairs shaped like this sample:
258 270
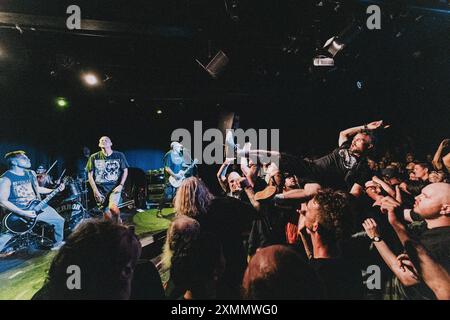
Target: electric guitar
176 182
19 224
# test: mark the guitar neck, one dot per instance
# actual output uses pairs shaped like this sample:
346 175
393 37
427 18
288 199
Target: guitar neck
190 167
46 200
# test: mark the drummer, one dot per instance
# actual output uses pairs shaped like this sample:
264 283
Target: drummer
43 178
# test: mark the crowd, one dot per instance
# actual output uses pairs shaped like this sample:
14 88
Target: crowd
344 226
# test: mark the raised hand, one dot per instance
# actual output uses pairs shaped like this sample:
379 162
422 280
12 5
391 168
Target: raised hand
389 205
405 264
370 226
376 124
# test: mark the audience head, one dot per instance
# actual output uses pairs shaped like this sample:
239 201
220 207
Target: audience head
278 272
291 181
197 265
233 180
362 142
422 170
409 157
182 229
329 216
433 202
192 198
437 176
105 253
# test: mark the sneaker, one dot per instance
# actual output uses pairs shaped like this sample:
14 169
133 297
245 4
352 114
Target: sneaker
230 146
159 214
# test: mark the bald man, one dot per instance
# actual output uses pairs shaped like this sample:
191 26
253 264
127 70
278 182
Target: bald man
433 206
107 172
278 272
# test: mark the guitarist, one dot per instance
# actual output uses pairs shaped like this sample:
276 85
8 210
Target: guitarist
174 161
107 172
19 186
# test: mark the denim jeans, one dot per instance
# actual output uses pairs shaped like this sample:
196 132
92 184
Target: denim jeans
50 216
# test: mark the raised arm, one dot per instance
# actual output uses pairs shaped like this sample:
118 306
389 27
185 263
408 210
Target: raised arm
386 187
221 174
437 159
406 277
433 274
344 135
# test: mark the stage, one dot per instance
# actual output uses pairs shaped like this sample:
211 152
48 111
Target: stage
22 274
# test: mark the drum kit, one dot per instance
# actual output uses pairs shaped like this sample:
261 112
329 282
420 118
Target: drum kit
73 204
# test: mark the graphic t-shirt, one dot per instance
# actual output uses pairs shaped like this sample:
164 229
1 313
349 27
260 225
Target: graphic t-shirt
107 169
21 191
341 169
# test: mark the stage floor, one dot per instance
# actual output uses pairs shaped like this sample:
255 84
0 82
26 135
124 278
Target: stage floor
21 275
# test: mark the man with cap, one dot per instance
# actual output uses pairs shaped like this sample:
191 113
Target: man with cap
107 172
175 160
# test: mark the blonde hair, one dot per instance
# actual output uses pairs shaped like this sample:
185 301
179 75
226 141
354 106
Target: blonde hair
182 230
193 198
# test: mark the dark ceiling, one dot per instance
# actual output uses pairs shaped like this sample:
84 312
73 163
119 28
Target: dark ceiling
146 51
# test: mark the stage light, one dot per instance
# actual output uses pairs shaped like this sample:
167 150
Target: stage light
159 111
334 45
323 61
90 79
62 102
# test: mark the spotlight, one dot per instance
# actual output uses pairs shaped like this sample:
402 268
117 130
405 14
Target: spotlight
90 79
336 44
61 102
333 46
323 61
159 111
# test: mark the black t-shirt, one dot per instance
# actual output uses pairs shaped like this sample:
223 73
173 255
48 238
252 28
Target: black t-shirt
437 242
107 169
341 169
341 279
338 170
